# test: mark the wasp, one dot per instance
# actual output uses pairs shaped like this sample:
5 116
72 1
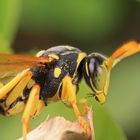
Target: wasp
28 84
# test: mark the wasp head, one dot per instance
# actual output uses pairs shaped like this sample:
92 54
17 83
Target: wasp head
97 75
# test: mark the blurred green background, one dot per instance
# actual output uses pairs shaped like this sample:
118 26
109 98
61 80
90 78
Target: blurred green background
27 26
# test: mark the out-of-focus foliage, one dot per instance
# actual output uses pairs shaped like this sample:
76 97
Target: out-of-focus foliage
9 14
124 94
75 19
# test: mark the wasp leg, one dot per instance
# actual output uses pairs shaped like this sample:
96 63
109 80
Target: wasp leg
84 105
82 122
17 90
30 108
39 108
5 89
69 94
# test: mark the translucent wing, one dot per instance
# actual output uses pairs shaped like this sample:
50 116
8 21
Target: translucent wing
10 64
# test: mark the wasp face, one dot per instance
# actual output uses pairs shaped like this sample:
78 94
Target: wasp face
97 75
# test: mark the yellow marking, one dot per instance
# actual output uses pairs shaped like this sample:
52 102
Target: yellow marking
57 72
17 91
18 108
5 89
101 97
40 53
81 56
87 69
54 56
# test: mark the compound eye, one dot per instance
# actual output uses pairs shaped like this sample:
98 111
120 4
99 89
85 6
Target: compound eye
97 74
92 66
